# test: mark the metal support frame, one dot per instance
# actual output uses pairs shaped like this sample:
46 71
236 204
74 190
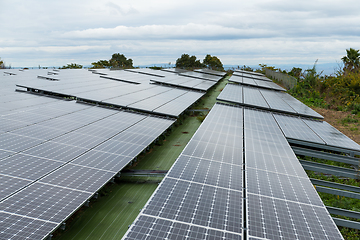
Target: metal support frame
335 185
297 142
346 223
338 192
63 226
343 212
326 155
324 168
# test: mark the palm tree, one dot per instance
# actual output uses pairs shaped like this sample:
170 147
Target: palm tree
352 60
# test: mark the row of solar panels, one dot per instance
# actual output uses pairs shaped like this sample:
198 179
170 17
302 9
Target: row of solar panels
255 83
266 99
253 75
99 88
205 196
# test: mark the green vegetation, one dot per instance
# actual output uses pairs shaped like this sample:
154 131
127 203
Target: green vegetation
339 92
71 66
190 62
185 61
117 61
2 64
212 62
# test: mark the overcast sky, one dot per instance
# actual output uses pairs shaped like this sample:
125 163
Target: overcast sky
55 33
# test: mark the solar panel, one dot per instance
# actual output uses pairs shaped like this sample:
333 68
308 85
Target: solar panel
201 76
331 135
210 71
78 178
55 151
45 202
17 143
298 106
273 218
102 160
265 99
253 97
186 82
231 93
295 128
9 185
277 103
27 167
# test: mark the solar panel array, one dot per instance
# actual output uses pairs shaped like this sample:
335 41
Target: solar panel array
123 89
55 154
265 99
59 156
255 83
281 201
216 177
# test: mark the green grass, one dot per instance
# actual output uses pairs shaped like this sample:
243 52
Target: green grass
110 215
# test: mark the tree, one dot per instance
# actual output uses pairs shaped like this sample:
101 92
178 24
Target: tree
351 60
72 66
101 64
187 62
2 64
120 61
212 62
295 72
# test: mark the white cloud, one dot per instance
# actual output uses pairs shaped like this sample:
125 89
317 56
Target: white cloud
188 31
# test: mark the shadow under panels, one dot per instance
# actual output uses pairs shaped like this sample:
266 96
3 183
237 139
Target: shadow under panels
266 99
